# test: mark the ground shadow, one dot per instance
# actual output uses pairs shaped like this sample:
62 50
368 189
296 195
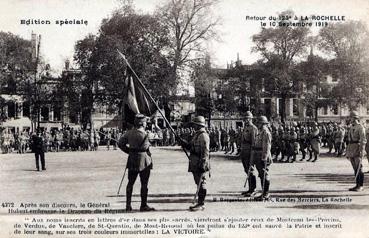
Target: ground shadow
329 178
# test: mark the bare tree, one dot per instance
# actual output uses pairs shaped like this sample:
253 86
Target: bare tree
191 24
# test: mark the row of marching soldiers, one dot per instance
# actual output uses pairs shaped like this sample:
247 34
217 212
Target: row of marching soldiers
255 154
288 141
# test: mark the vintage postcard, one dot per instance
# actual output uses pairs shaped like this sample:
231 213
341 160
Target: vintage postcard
184 118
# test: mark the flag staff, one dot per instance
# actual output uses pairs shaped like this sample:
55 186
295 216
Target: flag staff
151 98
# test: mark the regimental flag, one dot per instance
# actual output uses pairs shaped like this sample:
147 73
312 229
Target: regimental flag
136 99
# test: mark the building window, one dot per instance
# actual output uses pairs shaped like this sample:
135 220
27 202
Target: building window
44 114
280 106
26 109
367 109
335 109
268 107
295 105
325 110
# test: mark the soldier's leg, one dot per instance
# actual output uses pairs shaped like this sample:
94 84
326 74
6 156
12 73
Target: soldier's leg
132 176
200 181
202 190
37 158
144 178
358 169
310 153
303 152
42 157
250 175
263 171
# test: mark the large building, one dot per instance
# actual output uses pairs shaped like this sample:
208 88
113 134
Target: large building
246 87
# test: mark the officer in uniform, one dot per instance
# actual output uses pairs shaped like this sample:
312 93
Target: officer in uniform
314 143
199 163
39 148
355 150
135 143
247 141
261 154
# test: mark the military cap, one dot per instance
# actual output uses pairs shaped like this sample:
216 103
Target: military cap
263 120
249 115
140 119
199 120
355 115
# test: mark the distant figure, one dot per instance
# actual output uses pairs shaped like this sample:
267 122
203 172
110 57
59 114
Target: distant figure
38 147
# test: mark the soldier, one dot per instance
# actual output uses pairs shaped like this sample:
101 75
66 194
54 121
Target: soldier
247 141
199 163
303 140
355 150
294 145
279 143
314 143
139 160
339 135
232 139
261 154
38 147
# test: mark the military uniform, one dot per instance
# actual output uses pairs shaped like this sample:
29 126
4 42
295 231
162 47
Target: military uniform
279 144
199 163
314 143
39 148
135 143
262 156
247 141
338 140
303 140
355 150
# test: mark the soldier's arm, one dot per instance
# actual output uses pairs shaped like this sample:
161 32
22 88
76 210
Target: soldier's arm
254 132
122 143
205 147
362 141
266 145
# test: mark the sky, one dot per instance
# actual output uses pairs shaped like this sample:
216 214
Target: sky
58 42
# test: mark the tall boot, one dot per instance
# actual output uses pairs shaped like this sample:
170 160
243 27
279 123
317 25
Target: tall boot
265 195
144 207
252 186
310 156
266 189
315 157
360 182
129 191
202 196
200 201
357 182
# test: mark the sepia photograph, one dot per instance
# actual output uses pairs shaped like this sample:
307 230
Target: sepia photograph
184 118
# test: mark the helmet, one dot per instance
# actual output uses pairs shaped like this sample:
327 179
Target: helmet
294 124
199 120
249 115
140 119
355 115
263 120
